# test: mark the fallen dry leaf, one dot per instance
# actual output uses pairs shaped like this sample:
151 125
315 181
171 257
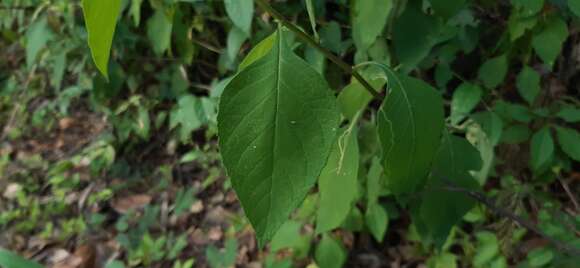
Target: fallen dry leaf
123 205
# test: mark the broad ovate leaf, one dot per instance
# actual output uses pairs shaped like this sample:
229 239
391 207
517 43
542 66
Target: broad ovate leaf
528 83
338 182
369 20
330 253
277 122
241 13
101 19
493 71
548 43
410 124
569 140
464 100
541 148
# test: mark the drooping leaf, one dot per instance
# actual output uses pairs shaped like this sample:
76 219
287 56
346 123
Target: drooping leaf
548 43
528 83
377 220
241 13
11 260
410 123
447 8
465 98
338 182
236 38
569 140
37 35
493 71
277 122
368 21
312 17
330 253
375 183
439 210
159 28
541 148
101 19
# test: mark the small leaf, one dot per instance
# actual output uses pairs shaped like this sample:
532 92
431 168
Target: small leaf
377 220
528 83
493 71
548 43
569 113
259 51
159 32
515 134
410 124
569 140
464 100
241 13
528 7
374 182
312 17
574 6
368 21
330 253
236 38
277 122
37 35
338 182
354 97
11 260
542 148
447 8
101 19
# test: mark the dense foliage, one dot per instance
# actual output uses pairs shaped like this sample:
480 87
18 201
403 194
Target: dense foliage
354 133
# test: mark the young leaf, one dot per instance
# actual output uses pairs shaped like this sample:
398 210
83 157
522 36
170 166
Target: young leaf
548 43
541 148
493 71
569 142
410 123
438 211
101 19
369 21
277 122
465 98
377 220
338 182
241 13
330 253
528 83
11 260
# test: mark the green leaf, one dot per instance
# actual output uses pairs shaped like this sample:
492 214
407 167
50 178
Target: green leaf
410 123
528 83
548 43
259 51
11 260
464 100
447 8
516 134
368 21
37 35
438 211
374 182
541 148
101 19
491 124
569 140
338 182
377 220
289 236
277 122
187 114
569 113
574 6
236 38
312 17
488 249
330 253
355 98
540 257
528 7
241 13
493 71
159 31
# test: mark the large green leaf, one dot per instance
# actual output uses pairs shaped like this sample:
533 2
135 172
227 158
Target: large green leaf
101 19
277 122
369 20
410 124
569 140
11 260
338 182
541 148
548 43
437 210
241 13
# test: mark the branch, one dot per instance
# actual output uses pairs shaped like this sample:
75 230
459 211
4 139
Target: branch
490 204
2 7
308 39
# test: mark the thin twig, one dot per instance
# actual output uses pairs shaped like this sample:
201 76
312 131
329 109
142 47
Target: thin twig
16 7
569 193
483 199
308 39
